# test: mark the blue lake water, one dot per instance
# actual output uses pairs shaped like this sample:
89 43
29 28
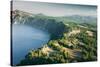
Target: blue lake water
24 39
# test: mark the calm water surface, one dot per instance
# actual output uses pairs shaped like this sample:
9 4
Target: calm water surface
26 38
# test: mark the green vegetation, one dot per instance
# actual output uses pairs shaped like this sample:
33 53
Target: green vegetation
70 41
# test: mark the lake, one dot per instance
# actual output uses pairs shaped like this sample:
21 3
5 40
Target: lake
24 39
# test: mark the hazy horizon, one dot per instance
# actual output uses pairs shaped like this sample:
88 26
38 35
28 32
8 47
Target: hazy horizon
55 9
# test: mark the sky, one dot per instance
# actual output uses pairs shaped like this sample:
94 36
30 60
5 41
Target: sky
55 9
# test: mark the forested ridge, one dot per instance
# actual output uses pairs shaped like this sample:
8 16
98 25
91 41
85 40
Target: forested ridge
70 41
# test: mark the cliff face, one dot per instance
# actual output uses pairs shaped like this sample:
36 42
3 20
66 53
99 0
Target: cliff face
55 28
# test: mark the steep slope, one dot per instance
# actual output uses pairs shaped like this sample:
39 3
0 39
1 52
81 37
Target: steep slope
70 41
55 28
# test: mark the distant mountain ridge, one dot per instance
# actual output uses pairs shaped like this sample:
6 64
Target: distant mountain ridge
72 38
72 18
39 21
81 19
